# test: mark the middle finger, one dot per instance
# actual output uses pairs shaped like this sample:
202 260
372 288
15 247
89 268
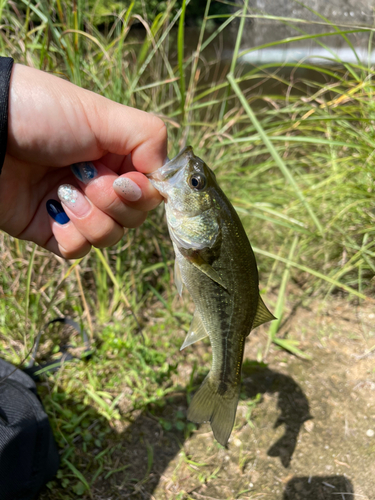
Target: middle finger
97 227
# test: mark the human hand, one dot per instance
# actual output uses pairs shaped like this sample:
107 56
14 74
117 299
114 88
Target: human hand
53 124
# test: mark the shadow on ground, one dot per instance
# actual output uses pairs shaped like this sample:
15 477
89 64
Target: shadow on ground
319 488
292 403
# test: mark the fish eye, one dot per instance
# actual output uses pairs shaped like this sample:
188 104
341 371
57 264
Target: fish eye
197 181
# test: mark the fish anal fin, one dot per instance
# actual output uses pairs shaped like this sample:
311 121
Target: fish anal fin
196 332
263 315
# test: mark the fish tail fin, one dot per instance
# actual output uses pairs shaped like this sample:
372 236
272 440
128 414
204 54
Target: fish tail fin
208 405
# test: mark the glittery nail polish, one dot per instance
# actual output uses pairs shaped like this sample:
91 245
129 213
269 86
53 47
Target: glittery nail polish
127 189
68 194
56 211
84 171
74 200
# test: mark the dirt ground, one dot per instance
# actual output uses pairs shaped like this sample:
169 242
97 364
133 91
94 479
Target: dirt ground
305 429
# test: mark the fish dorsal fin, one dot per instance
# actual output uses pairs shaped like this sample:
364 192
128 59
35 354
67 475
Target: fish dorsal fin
178 277
196 332
262 315
208 270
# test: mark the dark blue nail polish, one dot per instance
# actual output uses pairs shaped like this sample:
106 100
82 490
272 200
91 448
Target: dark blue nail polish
56 211
84 171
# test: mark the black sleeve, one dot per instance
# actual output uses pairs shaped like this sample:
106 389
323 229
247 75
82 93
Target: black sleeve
6 64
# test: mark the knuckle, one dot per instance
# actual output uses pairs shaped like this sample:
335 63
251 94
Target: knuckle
136 221
75 253
160 127
107 238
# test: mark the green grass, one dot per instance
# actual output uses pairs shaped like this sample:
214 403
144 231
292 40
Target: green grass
297 162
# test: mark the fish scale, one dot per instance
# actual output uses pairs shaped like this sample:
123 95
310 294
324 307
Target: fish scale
215 262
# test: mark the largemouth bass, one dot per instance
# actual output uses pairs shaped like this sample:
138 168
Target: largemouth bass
216 263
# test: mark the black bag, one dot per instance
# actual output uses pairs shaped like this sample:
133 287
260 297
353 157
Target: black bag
28 452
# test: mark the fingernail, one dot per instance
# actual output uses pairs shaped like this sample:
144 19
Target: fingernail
127 189
74 200
56 211
84 171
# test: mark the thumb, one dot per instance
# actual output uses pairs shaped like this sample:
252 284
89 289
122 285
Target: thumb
123 130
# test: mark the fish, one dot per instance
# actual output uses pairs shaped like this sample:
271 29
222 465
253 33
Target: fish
215 262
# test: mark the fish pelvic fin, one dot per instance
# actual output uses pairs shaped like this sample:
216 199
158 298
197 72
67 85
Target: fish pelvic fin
178 277
208 405
196 332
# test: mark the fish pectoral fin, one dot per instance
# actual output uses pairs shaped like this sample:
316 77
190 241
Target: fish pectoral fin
196 332
263 315
178 277
208 270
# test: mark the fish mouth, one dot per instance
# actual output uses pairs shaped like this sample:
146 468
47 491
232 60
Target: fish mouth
170 169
